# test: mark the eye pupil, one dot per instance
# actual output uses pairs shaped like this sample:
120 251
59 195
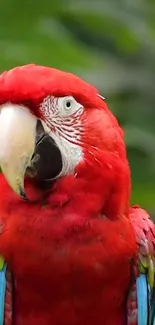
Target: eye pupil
68 104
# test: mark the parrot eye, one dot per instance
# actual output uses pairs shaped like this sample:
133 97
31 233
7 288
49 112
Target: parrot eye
68 105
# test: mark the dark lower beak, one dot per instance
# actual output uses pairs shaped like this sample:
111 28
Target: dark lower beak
46 162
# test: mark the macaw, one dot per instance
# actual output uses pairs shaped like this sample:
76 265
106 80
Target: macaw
73 251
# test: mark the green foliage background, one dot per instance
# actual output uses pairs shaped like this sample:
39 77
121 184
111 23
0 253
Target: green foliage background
110 44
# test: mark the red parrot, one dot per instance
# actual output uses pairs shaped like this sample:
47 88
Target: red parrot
77 252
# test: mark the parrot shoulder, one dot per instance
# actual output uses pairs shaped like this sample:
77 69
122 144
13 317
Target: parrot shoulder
141 301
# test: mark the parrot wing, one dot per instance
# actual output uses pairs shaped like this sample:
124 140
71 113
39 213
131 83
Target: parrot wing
141 300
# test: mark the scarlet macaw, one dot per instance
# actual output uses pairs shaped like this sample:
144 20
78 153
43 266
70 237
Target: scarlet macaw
77 252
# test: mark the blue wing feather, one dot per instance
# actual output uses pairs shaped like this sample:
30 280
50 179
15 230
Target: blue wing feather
142 299
2 293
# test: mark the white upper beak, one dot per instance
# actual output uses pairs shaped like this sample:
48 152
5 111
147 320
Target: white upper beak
17 143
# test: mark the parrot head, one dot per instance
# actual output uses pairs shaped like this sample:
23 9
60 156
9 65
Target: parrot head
55 126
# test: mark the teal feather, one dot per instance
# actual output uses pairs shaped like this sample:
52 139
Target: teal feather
2 293
142 299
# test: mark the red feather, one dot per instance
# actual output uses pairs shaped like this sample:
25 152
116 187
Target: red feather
71 265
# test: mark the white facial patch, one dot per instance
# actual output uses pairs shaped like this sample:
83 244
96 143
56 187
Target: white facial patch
62 122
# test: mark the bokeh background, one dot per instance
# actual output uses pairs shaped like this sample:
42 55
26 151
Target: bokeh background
109 43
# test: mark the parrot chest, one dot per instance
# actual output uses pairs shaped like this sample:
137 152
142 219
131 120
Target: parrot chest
67 273
76 289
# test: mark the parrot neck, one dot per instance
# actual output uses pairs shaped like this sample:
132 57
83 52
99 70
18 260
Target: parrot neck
97 190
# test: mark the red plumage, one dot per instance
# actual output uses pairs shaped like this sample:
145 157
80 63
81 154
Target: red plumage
71 250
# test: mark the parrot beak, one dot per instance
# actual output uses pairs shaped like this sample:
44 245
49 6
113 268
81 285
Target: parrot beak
25 148
17 143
